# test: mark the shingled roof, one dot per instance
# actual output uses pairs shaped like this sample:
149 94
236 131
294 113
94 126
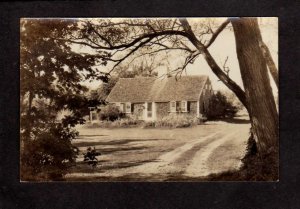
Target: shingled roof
146 89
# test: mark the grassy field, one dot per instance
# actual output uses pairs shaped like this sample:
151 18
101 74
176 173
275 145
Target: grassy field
152 154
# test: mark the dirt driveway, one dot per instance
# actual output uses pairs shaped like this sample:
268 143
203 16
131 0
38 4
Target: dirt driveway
161 154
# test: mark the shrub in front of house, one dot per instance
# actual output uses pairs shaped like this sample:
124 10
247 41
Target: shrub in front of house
124 122
170 121
149 124
177 121
120 123
173 121
110 113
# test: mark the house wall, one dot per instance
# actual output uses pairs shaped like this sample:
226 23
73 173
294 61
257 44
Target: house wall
193 108
162 109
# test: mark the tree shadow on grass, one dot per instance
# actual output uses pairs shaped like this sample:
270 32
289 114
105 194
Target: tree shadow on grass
91 135
229 120
83 167
113 142
237 120
120 149
126 164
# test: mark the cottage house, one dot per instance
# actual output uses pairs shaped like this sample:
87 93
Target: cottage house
149 99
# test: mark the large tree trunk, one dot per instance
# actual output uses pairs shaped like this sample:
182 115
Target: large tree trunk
260 100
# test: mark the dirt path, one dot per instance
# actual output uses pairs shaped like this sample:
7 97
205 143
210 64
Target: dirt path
196 158
211 149
200 163
176 160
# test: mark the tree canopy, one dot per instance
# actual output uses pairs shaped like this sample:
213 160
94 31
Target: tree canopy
51 75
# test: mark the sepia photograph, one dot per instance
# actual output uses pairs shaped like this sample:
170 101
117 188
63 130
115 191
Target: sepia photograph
149 99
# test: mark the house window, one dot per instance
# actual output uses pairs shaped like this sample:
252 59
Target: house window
149 109
172 106
184 106
128 107
178 106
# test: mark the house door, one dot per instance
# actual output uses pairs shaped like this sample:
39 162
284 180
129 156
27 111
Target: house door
140 113
138 110
149 110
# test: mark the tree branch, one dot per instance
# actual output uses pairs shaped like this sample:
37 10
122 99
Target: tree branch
225 68
217 32
270 63
99 35
145 36
213 65
130 53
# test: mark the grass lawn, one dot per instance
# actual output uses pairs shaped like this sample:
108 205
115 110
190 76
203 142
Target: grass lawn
155 154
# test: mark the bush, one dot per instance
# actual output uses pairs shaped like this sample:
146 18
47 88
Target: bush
149 124
49 155
125 122
120 123
219 107
91 157
110 112
173 121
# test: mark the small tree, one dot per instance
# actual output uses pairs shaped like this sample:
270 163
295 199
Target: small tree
219 107
110 112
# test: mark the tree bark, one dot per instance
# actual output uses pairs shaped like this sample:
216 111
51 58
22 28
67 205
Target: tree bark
258 91
270 63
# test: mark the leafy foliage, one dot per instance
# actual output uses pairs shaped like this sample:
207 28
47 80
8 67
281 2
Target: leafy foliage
110 112
219 107
50 154
91 157
103 91
51 75
177 121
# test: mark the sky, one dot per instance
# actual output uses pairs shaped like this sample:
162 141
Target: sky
224 46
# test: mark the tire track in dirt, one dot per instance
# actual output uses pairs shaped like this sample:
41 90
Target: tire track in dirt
171 162
227 157
199 165
186 158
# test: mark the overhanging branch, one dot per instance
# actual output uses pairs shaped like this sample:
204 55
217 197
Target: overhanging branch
132 43
217 32
213 65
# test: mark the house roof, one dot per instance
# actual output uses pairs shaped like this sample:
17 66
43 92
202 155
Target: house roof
144 89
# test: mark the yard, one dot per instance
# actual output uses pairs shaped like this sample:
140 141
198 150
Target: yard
161 154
